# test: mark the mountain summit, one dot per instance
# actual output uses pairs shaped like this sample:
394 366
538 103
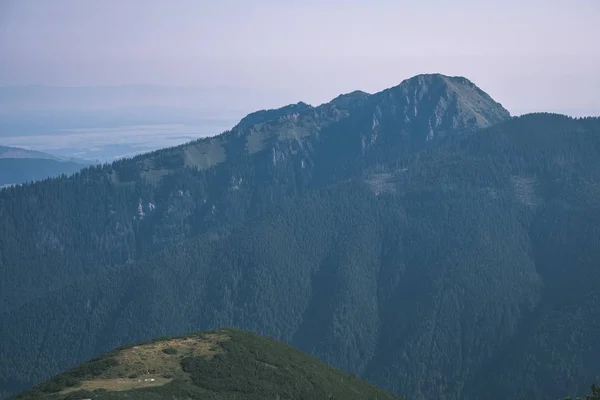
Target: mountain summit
448 102
416 111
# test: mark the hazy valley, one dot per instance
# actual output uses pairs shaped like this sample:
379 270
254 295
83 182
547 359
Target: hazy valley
101 124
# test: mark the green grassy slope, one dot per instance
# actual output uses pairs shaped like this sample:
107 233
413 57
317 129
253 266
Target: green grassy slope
224 364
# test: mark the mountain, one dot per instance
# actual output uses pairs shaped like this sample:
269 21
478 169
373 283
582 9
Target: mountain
20 165
15 152
127 210
222 364
418 237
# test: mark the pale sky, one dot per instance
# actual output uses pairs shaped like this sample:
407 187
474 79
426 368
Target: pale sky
527 54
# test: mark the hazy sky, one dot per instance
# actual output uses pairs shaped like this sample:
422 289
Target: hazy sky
527 54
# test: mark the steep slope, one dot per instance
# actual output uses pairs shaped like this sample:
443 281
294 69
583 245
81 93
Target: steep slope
223 364
20 165
111 214
469 271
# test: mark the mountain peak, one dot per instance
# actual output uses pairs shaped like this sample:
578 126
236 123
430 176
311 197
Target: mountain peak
447 102
421 79
433 101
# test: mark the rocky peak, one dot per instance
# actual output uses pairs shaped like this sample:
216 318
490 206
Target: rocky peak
427 106
454 100
403 117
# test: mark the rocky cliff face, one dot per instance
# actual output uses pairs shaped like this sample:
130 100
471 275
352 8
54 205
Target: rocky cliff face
417 110
442 104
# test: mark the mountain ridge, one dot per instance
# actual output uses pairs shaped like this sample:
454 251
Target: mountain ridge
303 120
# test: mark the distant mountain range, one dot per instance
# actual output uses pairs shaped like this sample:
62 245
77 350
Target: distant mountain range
20 165
419 237
16 152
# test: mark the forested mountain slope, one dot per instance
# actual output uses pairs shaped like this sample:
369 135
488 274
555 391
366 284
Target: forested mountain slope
223 364
54 231
463 270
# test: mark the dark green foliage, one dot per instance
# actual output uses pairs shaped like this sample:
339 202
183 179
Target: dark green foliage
73 377
57 384
79 394
93 368
170 350
256 367
593 394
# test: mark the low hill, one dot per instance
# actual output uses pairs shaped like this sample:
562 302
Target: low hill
21 165
222 364
17 152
